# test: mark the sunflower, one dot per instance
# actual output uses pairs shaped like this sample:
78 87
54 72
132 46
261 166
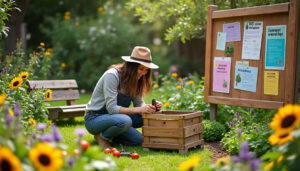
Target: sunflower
155 86
8 161
178 87
222 161
191 82
48 95
2 98
15 83
189 164
32 121
280 139
180 79
167 104
46 157
24 75
286 119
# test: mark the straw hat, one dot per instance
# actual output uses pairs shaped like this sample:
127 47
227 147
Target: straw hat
141 55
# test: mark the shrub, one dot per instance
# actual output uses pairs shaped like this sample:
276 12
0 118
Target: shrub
213 131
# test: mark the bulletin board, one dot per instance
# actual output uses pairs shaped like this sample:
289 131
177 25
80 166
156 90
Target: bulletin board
282 92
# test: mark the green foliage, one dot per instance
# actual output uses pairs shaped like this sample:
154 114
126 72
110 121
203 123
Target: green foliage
186 18
89 45
229 50
253 128
5 7
213 131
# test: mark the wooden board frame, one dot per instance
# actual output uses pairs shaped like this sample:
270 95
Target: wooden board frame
278 14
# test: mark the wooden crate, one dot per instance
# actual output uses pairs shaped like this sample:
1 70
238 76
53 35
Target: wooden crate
174 130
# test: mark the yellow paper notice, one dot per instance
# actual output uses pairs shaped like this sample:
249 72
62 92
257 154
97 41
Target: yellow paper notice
271 79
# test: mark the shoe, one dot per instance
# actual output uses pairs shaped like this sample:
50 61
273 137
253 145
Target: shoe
102 142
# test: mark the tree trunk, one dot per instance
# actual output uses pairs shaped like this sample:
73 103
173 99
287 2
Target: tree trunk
14 24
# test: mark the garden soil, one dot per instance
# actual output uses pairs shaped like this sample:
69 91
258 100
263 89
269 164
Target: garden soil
217 150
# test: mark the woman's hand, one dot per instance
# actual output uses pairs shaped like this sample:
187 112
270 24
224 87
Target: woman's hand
149 109
158 105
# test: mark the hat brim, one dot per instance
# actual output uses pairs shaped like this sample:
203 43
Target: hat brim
148 65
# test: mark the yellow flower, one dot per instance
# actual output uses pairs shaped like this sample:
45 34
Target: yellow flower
11 112
47 53
180 79
189 164
63 65
191 82
15 83
24 75
100 9
155 86
174 74
222 161
178 87
268 166
8 161
32 121
48 95
42 44
279 139
280 158
49 50
167 104
66 17
2 98
67 13
286 119
125 12
76 23
46 157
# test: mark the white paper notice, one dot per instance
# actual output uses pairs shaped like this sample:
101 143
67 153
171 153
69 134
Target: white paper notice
221 41
252 40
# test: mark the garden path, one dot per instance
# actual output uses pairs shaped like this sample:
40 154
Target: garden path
217 150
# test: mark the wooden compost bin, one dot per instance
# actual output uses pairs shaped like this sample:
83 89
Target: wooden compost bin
174 130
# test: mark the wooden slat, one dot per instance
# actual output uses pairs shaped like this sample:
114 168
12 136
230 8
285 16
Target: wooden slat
65 95
70 107
258 10
208 51
193 129
75 110
70 115
264 104
162 132
52 84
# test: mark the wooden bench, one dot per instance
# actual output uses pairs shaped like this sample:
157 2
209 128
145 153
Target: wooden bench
61 90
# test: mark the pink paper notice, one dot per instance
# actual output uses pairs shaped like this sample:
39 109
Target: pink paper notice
221 77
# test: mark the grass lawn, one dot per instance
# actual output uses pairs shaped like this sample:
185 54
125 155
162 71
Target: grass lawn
152 160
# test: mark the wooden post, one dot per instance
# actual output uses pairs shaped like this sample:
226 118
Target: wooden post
297 79
213 112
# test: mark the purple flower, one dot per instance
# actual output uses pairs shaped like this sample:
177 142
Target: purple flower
4 69
80 132
240 119
236 115
189 74
255 164
17 109
156 73
236 159
46 137
249 109
181 84
56 134
70 161
41 126
231 123
239 132
0 74
8 117
256 129
33 135
183 80
245 155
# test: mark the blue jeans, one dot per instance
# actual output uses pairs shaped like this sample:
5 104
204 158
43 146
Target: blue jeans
119 128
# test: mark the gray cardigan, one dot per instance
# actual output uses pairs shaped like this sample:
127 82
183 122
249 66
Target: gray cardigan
106 92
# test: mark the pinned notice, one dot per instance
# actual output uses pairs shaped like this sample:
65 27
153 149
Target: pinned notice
221 78
245 78
271 79
233 31
221 41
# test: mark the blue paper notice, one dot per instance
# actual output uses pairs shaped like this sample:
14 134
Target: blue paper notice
275 47
221 41
245 78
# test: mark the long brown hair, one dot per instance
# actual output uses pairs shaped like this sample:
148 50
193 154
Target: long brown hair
129 82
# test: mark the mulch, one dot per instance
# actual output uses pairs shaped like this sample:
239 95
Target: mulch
217 150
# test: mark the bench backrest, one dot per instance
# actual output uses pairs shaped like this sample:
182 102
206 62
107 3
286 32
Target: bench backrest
61 89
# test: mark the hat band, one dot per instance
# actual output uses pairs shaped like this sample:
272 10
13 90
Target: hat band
142 60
